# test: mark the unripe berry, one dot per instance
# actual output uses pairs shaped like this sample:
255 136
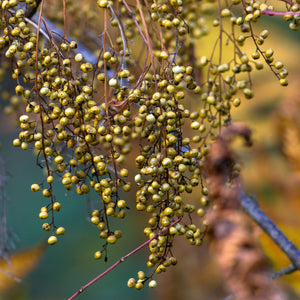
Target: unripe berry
131 282
139 285
111 239
225 12
60 231
141 275
269 53
35 187
283 82
121 203
43 215
97 254
52 240
46 227
56 206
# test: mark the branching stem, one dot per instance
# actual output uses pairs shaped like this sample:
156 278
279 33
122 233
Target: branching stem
122 259
252 209
285 271
280 13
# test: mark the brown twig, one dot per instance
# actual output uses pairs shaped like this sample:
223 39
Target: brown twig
122 259
280 13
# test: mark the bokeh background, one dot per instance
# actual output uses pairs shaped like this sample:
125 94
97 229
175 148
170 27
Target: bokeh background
270 170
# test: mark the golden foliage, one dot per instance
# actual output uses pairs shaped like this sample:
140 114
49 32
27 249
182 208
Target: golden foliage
18 265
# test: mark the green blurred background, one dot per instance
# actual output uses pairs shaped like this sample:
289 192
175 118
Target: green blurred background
69 264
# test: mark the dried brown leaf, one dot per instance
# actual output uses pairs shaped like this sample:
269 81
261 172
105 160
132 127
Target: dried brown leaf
234 240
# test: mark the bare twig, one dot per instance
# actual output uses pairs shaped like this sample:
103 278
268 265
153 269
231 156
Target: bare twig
88 55
285 271
124 40
43 32
252 209
47 25
280 13
4 230
122 259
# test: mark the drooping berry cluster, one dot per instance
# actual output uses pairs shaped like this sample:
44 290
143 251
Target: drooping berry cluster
143 87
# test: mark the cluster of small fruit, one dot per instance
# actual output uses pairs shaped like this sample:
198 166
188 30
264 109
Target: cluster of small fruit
83 116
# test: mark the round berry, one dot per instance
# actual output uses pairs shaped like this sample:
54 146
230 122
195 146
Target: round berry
52 240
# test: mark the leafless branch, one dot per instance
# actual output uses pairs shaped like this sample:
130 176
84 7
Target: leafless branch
251 208
122 259
285 271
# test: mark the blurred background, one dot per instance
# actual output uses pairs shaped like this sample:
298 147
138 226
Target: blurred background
270 170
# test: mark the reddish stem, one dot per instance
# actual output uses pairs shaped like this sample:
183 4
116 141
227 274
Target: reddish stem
280 13
122 259
288 2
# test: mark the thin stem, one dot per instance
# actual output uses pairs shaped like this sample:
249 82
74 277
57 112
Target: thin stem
40 114
288 2
124 40
3 220
135 21
148 40
220 57
257 46
51 27
65 20
122 259
280 13
43 32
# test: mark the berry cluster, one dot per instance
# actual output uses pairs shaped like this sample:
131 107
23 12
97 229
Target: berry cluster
85 112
